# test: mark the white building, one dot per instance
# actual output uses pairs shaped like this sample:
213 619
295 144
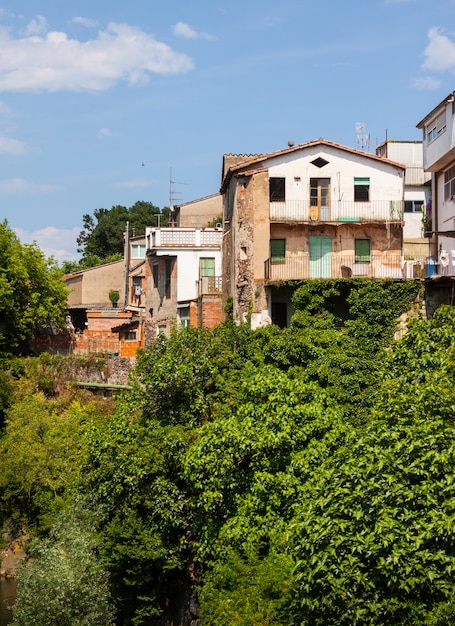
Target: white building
438 129
417 192
183 273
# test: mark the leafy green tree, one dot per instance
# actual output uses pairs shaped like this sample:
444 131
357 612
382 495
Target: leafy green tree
248 591
103 233
64 582
373 538
133 474
32 293
41 452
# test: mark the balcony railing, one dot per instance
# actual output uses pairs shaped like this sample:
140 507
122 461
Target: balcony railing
300 266
183 237
342 211
210 284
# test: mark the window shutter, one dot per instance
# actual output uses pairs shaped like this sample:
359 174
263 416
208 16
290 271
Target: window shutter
278 250
362 250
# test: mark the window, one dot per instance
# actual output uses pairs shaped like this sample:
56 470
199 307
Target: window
130 335
413 206
449 184
206 266
277 189
362 249
277 250
436 128
156 274
319 194
207 274
361 189
137 286
183 313
168 277
138 251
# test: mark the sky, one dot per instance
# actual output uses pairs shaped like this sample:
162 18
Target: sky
110 102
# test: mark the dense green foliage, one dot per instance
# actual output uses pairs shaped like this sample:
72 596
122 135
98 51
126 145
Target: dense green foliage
102 236
64 582
290 477
32 294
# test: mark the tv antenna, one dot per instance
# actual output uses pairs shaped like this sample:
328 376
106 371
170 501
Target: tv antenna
363 138
172 192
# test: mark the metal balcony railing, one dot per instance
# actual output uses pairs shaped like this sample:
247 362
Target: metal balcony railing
300 266
338 211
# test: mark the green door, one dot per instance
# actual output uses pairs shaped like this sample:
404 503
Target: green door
320 256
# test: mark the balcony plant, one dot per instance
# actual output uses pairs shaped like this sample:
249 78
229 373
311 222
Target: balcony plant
114 297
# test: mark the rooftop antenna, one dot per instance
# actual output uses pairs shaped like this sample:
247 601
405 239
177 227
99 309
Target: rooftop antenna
363 138
172 192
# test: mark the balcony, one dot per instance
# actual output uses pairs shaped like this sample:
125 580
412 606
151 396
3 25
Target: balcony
183 238
342 211
299 266
210 285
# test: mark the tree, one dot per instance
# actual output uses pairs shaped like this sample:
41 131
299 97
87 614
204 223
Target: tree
41 452
32 293
64 583
103 233
373 539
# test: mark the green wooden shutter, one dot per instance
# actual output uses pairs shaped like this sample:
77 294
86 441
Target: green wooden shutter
362 250
278 250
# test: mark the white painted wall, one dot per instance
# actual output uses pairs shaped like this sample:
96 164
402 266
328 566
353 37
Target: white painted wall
188 271
386 180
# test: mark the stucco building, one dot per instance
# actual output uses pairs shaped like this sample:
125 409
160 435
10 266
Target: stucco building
316 210
184 284
438 130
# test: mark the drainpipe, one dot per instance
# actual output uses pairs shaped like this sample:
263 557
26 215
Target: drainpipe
127 265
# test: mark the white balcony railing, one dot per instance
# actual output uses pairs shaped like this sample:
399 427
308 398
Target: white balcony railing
300 266
342 211
183 237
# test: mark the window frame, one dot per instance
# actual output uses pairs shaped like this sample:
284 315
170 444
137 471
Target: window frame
138 247
278 256
359 255
449 184
361 189
277 189
417 206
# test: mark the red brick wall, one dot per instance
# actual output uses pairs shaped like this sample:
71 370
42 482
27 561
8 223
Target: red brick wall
211 311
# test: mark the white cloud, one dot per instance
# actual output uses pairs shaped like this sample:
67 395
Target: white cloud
55 63
19 185
103 133
426 83
85 21
37 26
57 242
134 183
187 32
440 52
12 146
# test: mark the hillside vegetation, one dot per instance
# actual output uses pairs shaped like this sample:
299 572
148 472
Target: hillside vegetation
302 476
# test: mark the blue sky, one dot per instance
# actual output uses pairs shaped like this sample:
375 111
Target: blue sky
100 100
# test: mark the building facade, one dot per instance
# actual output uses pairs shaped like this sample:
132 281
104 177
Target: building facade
438 131
184 285
317 210
417 193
